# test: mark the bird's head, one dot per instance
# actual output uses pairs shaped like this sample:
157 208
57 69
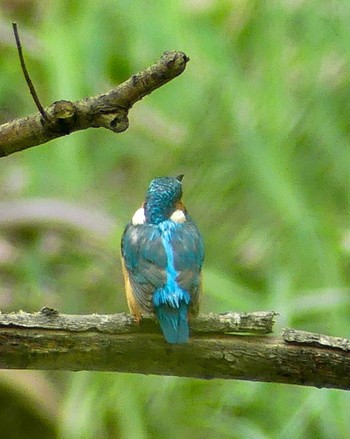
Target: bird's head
162 198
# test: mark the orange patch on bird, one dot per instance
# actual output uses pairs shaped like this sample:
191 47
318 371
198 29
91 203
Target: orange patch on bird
132 304
180 206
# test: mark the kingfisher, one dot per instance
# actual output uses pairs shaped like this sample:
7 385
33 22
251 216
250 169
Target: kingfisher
162 256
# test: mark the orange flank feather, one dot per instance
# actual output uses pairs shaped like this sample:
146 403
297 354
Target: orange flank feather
180 206
132 304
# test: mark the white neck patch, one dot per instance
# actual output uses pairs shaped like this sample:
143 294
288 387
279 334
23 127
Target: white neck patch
139 217
178 216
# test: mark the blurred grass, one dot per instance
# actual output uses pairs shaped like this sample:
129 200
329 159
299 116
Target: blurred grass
259 125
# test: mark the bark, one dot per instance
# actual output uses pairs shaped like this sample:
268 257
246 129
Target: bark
219 348
108 110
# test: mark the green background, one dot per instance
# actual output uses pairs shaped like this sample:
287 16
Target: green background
259 125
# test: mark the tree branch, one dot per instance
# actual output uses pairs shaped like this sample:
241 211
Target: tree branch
108 110
49 340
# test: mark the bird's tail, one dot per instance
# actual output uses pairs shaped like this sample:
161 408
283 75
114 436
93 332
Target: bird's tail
172 314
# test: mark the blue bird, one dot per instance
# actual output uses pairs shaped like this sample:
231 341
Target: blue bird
162 256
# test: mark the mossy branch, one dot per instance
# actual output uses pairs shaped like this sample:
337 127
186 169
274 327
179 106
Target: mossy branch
219 348
108 110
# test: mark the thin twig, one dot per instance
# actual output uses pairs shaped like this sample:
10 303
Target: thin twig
26 74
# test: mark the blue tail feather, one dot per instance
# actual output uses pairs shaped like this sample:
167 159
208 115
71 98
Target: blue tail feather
173 322
171 308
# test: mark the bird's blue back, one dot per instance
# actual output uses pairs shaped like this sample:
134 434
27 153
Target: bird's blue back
163 264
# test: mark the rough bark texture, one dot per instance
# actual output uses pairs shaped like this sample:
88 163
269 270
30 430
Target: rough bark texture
48 318
107 110
48 340
311 339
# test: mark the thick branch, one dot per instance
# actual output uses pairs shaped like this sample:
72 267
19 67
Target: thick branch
108 110
48 340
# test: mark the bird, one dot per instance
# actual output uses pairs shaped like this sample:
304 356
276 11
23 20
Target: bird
162 255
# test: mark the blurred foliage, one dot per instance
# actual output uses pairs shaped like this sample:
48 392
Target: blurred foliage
259 125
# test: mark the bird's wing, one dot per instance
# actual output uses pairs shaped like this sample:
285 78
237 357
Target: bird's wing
145 261
188 253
